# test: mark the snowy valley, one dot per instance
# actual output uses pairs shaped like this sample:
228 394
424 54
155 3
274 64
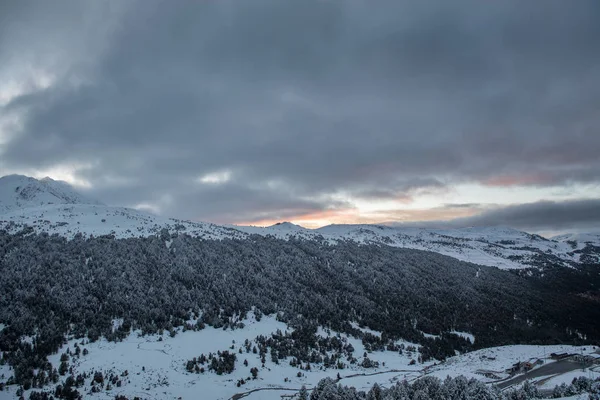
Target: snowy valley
154 366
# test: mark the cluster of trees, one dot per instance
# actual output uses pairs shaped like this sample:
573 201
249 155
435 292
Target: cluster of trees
305 347
46 373
432 388
52 287
223 362
590 254
579 385
69 388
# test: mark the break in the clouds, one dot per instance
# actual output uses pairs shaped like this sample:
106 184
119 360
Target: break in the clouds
309 110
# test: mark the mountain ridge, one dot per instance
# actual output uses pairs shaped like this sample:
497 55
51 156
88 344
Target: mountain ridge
55 207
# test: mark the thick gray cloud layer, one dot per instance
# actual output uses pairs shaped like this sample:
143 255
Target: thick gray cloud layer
542 216
304 98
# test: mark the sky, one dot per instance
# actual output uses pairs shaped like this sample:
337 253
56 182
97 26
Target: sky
433 113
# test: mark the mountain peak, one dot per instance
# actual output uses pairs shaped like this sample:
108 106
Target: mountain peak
286 225
20 191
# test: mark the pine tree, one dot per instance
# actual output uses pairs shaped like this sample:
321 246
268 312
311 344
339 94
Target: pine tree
303 393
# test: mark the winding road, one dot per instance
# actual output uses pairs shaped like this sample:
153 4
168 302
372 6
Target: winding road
239 396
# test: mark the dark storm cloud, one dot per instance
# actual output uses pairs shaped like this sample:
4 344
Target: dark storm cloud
314 96
533 217
544 215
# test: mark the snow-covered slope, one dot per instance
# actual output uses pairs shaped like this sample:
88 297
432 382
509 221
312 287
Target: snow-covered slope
493 246
92 219
54 207
18 191
580 238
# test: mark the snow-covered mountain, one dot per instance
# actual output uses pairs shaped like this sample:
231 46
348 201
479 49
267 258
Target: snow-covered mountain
164 363
18 192
500 247
587 237
54 207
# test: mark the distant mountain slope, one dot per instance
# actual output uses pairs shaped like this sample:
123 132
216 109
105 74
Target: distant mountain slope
18 191
500 247
54 207
580 238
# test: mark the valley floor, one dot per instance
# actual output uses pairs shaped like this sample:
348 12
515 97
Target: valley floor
156 366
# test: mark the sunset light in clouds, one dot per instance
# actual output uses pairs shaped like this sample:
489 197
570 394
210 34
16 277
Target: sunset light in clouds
445 205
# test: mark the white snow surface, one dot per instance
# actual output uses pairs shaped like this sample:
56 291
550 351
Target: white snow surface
90 219
587 237
54 207
156 365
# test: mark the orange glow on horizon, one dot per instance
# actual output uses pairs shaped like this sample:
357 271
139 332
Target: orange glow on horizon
312 220
318 219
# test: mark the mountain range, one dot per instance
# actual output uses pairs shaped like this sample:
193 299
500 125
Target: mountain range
110 302
54 207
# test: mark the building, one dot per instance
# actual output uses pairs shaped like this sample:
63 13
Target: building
520 367
560 356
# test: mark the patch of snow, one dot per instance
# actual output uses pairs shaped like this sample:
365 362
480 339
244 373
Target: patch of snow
27 339
430 336
465 335
365 329
117 323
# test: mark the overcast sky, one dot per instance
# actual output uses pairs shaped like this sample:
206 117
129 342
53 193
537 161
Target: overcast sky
314 111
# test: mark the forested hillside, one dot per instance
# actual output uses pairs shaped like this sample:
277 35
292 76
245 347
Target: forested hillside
52 286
